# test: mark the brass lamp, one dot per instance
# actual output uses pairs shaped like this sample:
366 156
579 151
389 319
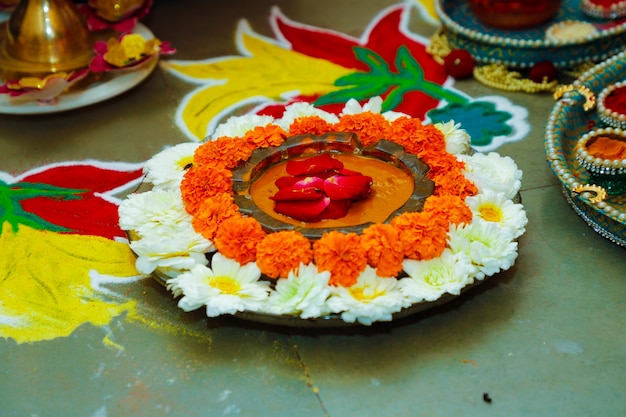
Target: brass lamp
42 37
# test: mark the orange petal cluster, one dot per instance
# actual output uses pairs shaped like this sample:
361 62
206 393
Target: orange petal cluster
282 252
423 234
203 181
238 237
212 212
313 125
342 255
225 151
384 249
371 127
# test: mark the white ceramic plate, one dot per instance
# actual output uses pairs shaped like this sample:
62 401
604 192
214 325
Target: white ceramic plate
94 93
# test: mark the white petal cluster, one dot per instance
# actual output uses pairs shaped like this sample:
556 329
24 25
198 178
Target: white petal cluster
495 207
302 109
225 288
457 139
303 293
237 126
154 214
370 299
373 105
491 248
171 255
430 279
165 170
165 237
492 172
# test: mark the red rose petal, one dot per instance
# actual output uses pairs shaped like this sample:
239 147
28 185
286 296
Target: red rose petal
337 209
296 193
355 187
306 211
283 182
302 182
347 172
313 165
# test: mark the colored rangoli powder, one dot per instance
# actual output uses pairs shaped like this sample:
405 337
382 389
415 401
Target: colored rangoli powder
604 147
46 288
616 100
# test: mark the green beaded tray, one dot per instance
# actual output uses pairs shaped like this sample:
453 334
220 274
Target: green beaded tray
569 121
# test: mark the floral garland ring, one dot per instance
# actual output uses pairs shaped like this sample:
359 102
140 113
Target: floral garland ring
188 228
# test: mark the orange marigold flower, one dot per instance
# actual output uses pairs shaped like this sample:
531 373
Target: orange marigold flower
421 140
310 125
423 234
225 151
238 237
281 252
369 127
384 249
453 183
342 255
403 130
450 207
266 136
204 181
212 212
441 163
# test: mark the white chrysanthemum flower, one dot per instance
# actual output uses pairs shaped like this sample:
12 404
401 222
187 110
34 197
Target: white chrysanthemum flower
457 139
496 208
428 280
303 292
374 105
178 252
155 214
352 106
490 247
302 109
237 126
165 170
225 288
370 299
493 172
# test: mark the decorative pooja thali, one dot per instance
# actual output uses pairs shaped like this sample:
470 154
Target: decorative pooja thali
587 153
568 38
217 244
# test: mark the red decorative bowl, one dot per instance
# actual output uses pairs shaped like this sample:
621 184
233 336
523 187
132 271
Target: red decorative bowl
514 14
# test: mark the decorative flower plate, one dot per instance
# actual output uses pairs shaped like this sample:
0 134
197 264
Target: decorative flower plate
523 48
211 230
109 87
568 122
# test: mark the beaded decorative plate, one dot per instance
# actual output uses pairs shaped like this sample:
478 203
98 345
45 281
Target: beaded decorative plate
525 47
568 122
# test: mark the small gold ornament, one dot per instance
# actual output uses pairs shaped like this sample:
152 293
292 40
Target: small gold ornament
500 77
590 98
599 192
439 47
